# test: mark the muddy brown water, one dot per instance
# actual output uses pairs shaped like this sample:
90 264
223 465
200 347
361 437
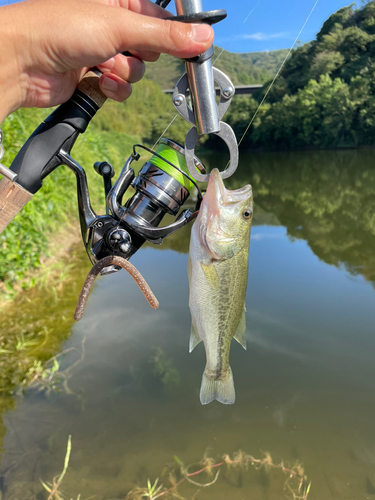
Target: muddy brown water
305 387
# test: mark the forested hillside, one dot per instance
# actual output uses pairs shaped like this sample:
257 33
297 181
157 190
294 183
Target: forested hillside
325 96
243 69
344 48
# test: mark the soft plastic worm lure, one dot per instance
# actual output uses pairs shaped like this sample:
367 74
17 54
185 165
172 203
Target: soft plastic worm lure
99 266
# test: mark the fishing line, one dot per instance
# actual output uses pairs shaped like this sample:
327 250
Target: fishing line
173 119
234 34
278 73
222 50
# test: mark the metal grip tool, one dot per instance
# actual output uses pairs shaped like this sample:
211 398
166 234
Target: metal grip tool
200 78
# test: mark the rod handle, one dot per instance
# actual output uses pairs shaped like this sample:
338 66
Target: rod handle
12 200
89 85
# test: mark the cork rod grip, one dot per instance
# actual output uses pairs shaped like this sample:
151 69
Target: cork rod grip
12 200
89 85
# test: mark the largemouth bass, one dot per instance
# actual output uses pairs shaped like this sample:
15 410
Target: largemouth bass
218 268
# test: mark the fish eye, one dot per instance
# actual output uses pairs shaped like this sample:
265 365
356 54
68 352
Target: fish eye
247 214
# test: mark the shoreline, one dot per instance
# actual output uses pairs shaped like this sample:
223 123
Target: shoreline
50 270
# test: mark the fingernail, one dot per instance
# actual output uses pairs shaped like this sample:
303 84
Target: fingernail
109 84
201 32
108 64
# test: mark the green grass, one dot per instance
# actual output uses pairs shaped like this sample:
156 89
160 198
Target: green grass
26 243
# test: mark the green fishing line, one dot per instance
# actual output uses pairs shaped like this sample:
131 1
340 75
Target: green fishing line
177 159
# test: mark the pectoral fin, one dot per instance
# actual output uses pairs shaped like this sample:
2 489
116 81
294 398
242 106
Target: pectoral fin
194 338
189 269
241 330
211 275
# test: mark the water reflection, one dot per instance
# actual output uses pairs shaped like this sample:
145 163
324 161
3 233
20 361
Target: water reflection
326 198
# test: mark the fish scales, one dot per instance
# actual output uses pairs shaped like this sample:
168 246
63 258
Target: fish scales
218 269
220 310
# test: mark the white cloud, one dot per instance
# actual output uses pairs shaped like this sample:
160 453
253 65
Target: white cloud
263 236
260 37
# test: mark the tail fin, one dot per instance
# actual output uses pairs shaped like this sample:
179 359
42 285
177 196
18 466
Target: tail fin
222 390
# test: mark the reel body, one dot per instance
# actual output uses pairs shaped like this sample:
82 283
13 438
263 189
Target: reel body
161 187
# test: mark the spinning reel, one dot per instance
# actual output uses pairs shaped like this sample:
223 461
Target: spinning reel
162 186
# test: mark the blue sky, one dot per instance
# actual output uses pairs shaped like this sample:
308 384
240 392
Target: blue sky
272 24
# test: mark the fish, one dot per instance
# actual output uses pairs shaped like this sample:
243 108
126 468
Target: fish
218 270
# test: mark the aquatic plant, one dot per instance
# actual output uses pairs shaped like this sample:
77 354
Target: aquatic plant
53 488
48 376
152 489
163 368
158 367
296 485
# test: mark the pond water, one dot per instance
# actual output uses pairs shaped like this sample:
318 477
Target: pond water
305 387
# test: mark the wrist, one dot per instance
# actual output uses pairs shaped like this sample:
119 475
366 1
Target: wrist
10 57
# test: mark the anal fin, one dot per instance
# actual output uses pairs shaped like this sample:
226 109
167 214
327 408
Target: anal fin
194 337
241 330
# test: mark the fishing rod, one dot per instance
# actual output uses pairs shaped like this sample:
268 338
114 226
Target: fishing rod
163 184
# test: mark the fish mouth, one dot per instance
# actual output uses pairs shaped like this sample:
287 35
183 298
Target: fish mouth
218 195
215 193
209 212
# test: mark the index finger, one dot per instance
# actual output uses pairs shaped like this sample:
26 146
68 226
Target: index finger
145 7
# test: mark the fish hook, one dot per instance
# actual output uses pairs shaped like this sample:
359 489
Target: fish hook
99 266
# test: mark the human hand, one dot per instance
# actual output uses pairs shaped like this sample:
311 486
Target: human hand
48 45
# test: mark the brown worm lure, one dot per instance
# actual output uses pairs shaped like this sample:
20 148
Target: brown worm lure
99 266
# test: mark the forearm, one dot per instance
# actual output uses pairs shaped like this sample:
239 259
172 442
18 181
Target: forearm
9 96
10 74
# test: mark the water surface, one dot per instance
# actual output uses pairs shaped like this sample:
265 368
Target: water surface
305 387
